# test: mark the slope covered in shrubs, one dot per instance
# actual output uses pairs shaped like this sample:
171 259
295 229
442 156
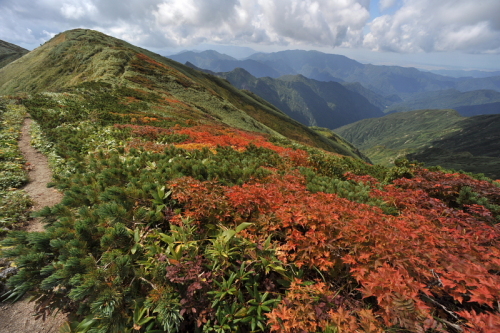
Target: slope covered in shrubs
182 227
150 81
174 219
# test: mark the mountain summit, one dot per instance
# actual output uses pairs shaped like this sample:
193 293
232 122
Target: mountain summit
81 56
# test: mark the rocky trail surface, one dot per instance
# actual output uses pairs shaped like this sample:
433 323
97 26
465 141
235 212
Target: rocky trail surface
18 317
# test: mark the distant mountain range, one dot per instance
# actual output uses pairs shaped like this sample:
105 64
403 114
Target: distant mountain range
435 137
217 62
390 88
10 52
312 102
384 80
464 73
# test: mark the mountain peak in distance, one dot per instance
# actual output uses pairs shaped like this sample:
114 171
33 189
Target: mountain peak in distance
10 52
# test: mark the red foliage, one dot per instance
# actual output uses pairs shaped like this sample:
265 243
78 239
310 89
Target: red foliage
146 145
182 79
214 136
429 254
481 322
447 186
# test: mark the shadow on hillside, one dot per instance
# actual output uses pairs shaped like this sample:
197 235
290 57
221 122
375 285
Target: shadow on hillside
473 149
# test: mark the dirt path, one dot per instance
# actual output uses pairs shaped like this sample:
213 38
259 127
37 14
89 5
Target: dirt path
18 317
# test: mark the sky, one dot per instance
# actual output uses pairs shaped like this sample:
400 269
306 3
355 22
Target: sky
430 34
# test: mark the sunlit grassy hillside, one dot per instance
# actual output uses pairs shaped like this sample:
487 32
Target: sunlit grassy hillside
435 137
80 56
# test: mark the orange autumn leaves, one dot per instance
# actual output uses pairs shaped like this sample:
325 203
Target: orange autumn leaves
436 249
211 136
429 251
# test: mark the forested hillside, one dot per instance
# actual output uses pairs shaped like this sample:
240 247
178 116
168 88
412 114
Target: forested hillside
191 206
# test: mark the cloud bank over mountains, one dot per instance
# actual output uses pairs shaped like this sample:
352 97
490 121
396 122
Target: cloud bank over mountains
283 22
444 25
404 26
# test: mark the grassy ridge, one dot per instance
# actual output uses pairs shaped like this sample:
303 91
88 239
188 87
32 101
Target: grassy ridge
80 56
10 52
435 137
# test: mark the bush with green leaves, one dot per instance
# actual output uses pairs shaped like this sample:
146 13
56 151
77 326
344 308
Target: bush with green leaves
14 204
112 229
13 174
14 210
154 235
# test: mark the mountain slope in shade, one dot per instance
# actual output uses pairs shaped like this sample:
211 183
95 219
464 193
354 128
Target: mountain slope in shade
470 84
313 103
10 52
376 99
79 56
476 110
435 137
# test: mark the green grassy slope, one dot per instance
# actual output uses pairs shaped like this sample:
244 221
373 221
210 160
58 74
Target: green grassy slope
435 137
79 56
10 52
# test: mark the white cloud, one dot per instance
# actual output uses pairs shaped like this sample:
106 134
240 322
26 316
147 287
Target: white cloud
324 22
445 25
49 35
409 26
75 10
386 4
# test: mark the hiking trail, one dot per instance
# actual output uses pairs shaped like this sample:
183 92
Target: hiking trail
18 317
